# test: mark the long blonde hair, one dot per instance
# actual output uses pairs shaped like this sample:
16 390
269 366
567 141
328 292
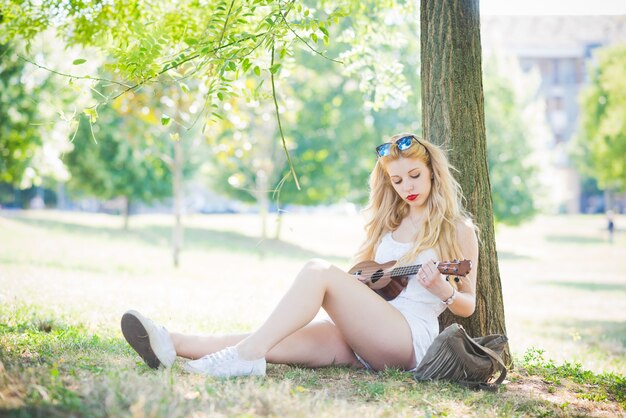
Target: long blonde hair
444 208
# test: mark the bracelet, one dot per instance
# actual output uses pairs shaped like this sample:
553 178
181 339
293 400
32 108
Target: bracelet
450 300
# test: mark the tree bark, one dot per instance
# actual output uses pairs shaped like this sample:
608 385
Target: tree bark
126 214
453 116
177 185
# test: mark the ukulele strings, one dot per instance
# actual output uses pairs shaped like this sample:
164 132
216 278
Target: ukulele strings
399 270
372 270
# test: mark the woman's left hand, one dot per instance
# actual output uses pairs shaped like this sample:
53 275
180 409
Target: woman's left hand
433 281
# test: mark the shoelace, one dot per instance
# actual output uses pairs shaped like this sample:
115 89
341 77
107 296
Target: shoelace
221 355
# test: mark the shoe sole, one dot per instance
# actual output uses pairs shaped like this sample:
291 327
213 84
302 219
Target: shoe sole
138 338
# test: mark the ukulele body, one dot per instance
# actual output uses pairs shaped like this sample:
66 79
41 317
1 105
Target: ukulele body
378 278
388 281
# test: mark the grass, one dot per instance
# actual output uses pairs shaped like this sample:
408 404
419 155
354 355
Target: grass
66 278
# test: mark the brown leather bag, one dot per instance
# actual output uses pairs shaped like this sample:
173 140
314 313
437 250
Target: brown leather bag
456 357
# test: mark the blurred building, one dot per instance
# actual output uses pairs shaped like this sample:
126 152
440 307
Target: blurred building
561 49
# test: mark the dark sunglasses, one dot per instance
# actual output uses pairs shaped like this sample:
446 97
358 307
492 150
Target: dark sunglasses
403 143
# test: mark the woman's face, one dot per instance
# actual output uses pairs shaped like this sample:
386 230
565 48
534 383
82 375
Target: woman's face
411 179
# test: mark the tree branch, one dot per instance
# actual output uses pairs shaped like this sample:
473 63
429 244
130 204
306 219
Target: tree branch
225 23
85 77
280 126
305 42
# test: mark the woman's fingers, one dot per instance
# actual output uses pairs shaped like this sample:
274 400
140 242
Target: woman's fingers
428 273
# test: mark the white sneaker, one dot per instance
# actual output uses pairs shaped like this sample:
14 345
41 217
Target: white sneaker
152 342
226 363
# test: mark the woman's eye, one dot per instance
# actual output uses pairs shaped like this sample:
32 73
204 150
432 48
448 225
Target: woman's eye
397 182
415 176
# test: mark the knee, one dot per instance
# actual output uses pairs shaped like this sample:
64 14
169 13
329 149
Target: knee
315 268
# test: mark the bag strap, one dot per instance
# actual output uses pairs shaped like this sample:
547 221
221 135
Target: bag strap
499 364
502 367
496 360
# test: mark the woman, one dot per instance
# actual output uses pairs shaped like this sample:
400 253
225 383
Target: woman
416 218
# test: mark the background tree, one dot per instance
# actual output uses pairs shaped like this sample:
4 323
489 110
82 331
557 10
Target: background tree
218 41
248 160
513 118
342 110
19 139
165 117
453 115
35 119
118 164
347 109
601 145
337 112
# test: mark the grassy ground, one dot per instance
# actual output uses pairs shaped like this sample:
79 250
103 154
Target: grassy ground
66 279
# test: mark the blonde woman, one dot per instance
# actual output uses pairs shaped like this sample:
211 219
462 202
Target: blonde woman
416 217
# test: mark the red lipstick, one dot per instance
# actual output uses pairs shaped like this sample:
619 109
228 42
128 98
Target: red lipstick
411 197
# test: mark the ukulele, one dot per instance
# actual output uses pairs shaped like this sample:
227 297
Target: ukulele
388 281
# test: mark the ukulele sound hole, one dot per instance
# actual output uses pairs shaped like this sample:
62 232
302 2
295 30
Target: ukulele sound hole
376 276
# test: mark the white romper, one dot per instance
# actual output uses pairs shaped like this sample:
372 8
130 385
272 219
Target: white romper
419 307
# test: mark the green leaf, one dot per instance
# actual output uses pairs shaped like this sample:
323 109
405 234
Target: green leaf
92 114
257 70
274 68
245 64
79 61
231 66
256 90
314 37
220 96
184 87
165 120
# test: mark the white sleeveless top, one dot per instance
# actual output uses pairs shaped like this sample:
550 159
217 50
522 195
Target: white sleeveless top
420 307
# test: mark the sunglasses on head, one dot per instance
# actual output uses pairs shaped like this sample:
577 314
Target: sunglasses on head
403 143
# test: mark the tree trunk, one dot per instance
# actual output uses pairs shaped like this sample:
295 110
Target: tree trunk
453 116
279 225
126 213
177 171
61 196
262 199
609 202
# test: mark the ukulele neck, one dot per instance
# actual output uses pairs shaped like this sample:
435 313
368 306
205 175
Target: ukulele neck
405 270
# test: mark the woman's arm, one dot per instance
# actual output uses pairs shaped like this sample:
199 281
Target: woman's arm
465 299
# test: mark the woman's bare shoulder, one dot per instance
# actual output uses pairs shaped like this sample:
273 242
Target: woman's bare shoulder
466 231
466 226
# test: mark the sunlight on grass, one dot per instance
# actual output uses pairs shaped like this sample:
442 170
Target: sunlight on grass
566 296
66 279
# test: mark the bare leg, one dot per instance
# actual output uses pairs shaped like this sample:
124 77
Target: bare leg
370 325
195 346
317 344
